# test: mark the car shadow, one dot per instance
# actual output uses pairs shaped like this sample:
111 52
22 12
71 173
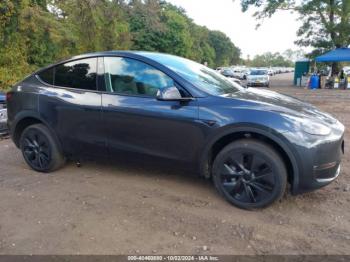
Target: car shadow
149 166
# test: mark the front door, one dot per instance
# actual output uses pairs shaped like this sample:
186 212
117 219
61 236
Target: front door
136 121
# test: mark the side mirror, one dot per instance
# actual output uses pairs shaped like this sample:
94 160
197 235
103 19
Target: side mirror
171 94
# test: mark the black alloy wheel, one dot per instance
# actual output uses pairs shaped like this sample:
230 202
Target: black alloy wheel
249 174
40 150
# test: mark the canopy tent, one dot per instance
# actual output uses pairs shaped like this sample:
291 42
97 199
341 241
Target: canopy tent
336 55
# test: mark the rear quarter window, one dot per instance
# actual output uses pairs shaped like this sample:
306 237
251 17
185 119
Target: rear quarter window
80 74
47 76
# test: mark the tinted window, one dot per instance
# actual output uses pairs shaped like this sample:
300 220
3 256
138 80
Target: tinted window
258 72
47 76
79 74
129 76
199 75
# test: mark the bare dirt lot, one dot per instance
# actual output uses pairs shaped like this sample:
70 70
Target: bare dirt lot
124 208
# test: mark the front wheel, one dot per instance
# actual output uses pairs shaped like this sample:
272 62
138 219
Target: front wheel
249 174
40 150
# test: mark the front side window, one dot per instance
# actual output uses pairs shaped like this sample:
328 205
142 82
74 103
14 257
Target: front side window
79 74
132 77
199 75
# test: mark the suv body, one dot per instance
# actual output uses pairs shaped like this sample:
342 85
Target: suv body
165 106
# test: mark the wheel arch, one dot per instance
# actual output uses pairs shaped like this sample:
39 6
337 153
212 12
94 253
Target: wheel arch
25 119
265 134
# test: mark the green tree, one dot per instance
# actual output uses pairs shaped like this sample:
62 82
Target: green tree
145 24
176 38
35 33
96 25
226 53
25 45
269 59
326 23
201 50
293 55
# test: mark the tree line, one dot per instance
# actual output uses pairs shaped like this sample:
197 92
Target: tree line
270 59
35 33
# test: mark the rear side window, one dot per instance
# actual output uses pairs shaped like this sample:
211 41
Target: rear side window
79 74
47 76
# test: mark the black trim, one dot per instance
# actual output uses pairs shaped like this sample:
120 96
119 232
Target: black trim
101 84
179 86
54 76
68 88
188 86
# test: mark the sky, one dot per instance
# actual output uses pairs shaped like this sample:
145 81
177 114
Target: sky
276 34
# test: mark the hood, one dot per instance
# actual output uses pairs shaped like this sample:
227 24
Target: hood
282 104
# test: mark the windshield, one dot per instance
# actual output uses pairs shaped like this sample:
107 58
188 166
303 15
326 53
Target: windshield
199 75
258 72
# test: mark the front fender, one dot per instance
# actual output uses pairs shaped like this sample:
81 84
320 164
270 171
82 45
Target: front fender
262 130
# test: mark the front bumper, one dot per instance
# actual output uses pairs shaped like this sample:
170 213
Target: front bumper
319 163
257 83
329 175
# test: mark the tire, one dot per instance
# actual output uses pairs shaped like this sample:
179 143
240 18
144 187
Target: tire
249 174
40 149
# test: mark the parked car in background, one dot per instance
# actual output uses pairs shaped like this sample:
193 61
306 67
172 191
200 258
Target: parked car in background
347 70
271 72
258 77
244 73
240 73
228 72
219 69
3 114
250 142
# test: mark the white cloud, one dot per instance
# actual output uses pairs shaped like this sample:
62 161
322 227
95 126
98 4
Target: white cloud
275 35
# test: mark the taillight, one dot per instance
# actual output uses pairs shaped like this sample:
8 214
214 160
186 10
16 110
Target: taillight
8 96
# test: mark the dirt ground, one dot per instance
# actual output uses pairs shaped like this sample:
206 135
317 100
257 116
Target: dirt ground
123 208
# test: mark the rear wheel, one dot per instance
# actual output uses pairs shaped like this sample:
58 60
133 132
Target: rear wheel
40 150
249 174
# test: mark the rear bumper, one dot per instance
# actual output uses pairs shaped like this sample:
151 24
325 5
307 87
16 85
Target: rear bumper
3 129
3 122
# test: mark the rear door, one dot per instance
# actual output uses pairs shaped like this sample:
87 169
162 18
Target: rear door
72 106
136 121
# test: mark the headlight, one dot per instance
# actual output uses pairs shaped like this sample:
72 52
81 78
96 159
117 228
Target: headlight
314 128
